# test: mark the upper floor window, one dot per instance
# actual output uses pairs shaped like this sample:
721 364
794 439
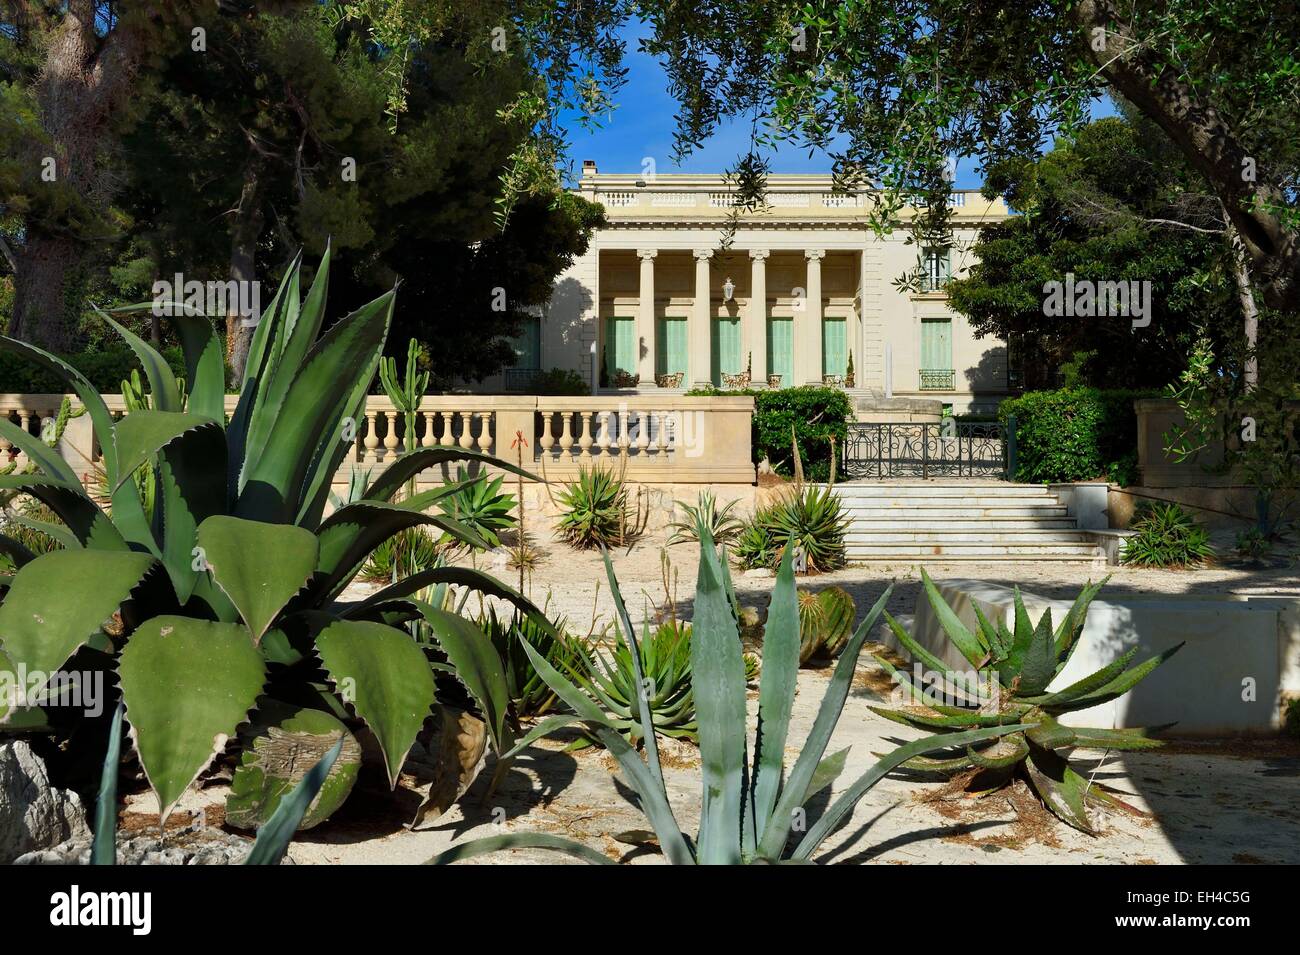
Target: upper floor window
936 269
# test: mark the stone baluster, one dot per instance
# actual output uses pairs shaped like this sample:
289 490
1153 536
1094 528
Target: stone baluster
6 446
427 439
485 431
466 430
661 432
371 441
390 434
642 431
546 440
624 442
566 435
602 438
586 425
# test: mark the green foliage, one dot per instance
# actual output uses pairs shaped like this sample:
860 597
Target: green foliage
1012 671
597 510
104 369
810 517
560 381
227 602
409 551
825 624
406 392
1072 435
530 697
818 415
1167 536
721 521
752 802
479 505
660 684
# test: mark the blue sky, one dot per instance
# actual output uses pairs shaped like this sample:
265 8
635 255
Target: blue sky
641 127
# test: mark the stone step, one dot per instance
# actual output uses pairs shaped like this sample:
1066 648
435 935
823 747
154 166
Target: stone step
1096 560
885 535
1031 550
891 489
969 500
992 524
867 514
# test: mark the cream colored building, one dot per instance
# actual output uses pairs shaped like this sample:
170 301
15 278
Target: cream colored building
802 287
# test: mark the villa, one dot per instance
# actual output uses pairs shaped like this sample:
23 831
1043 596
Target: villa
804 293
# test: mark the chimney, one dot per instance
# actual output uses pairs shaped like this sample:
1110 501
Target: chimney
588 168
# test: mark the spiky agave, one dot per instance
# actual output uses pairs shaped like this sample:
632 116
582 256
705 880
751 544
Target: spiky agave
228 594
1014 668
749 806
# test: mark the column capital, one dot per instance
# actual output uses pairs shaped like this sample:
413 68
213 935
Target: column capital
814 255
758 255
704 253
647 253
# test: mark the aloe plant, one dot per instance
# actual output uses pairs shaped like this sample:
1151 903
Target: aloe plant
232 591
1014 668
750 805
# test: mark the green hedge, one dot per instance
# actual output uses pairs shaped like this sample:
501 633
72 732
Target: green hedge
816 414
1074 434
105 369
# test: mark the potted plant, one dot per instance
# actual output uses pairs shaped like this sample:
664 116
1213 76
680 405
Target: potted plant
670 380
850 379
833 381
774 381
625 379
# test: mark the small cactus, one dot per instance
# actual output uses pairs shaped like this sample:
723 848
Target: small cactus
825 623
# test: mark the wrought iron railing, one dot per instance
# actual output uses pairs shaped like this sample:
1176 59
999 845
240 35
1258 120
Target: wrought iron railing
930 449
938 379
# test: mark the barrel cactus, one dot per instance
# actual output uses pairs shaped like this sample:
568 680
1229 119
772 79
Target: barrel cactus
225 606
1013 669
825 623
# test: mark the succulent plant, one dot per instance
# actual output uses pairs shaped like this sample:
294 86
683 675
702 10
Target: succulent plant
750 804
230 592
825 624
725 526
529 695
596 511
479 505
807 516
1014 669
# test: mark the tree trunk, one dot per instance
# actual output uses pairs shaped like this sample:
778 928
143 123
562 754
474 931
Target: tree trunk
1249 309
43 267
245 231
1203 135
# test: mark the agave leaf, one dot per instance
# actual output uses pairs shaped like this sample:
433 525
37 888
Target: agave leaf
1048 733
1085 686
187 685
140 435
41 633
781 649
922 720
67 499
996 638
273 484
407 466
191 487
41 454
966 642
1121 684
57 532
162 383
385 677
1138 737
273 838
654 803
329 457
258 566
841 807
17 552
718 679
466 577
1060 787
1071 628
918 652
520 840
103 850
828 770
1039 664
477 665
1003 754
810 757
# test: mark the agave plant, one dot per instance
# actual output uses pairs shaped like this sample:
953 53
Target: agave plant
479 505
825 623
229 594
750 805
721 521
807 516
530 697
661 681
1014 668
595 510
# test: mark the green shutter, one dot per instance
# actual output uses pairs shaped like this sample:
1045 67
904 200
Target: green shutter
936 344
780 349
834 346
528 345
620 345
725 350
670 345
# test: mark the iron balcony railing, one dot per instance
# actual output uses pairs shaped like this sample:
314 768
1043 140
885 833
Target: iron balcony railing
938 379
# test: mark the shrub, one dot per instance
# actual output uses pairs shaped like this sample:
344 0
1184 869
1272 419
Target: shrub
753 803
1167 536
104 368
817 414
721 522
810 517
1013 671
560 381
596 510
1073 434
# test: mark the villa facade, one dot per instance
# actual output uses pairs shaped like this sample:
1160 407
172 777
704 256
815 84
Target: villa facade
803 293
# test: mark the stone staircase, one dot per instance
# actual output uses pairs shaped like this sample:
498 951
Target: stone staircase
954 521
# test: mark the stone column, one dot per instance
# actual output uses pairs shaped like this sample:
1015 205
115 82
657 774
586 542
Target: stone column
756 316
860 348
701 364
808 324
646 330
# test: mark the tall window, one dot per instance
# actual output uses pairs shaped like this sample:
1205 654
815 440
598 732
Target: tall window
780 349
528 355
620 346
671 344
936 268
834 346
936 355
